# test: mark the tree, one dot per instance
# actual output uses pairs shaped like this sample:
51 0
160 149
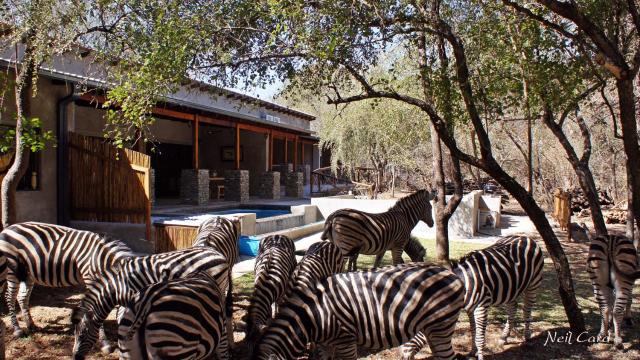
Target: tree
608 32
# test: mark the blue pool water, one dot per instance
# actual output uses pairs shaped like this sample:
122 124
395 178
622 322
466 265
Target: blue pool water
260 213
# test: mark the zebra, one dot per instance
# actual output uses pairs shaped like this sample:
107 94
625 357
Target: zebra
274 264
320 261
374 310
357 232
178 318
53 256
612 264
118 286
495 275
3 281
222 234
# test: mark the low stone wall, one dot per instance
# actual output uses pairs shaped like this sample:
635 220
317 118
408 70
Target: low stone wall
294 186
194 186
283 169
276 223
269 185
236 185
306 172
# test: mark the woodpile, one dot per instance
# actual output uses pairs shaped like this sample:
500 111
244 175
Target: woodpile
616 216
579 201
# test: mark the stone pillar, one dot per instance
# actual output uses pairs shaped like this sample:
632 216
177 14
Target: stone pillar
236 185
293 186
283 169
270 185
194 186
152 186
306 172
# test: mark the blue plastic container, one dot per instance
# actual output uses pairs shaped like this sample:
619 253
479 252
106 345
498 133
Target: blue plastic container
248 245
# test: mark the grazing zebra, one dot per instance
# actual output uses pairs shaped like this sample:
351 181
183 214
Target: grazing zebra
118 286
613 268
357 232
53 256
374 310
222 234
177 319
495 275
3 281
321 260
274 265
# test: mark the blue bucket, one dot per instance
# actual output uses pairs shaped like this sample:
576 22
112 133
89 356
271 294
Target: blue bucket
248 245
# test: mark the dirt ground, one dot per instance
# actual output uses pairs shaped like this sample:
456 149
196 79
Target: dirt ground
51 309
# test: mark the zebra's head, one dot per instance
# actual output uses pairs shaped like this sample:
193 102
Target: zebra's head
424 199
415 250
86 334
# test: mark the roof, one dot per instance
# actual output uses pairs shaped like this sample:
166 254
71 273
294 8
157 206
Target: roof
193 94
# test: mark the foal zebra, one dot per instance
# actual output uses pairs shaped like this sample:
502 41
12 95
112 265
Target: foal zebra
613 268
357 232
495 275
374 310
53 256
222 234
274 265
118 286
178 319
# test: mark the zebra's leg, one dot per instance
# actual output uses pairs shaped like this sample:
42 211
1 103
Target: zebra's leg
26 287
510 324
409 350
480 316
378 261
529 300
222 350
12 291
472 326
396 255
622 299
603 296
628 318
440 343
352 262
2 347
105 345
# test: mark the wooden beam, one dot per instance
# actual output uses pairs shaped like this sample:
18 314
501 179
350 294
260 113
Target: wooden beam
237 147
172 114
286 150
218 122
254 128
295 154
196 142
302 162
270 150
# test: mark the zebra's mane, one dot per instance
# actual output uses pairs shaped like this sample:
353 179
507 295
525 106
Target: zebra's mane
401 204
113 243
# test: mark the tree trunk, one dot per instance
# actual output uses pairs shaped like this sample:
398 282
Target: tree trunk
588 186
442 221
24 82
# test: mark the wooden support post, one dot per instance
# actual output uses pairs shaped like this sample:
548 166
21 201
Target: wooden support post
302 162
295 153
270 150
237 147
286 149
196 142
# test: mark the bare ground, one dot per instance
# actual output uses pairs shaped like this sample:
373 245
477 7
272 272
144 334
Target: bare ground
51 309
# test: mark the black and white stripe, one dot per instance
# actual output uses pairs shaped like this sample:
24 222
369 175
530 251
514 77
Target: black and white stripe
222 234
175 319
613 269
372 310
321 260
493 276
118 286
274 264
357 232
53 256
3 282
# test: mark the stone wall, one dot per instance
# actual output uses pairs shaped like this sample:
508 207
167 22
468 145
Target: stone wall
236 185
306 172
194 186
294 185
269 185
283 169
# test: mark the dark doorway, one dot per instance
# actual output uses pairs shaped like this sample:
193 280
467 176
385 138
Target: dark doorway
168 160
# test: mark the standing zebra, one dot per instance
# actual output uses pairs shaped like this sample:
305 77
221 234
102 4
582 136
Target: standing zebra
374 310
357 232
321 260
613 268
178 319
222 234
495 275
53 256
3 281
274 265
118 286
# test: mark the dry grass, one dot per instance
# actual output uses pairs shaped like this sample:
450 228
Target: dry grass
52 307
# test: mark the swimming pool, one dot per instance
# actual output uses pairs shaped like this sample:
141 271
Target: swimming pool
260 213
